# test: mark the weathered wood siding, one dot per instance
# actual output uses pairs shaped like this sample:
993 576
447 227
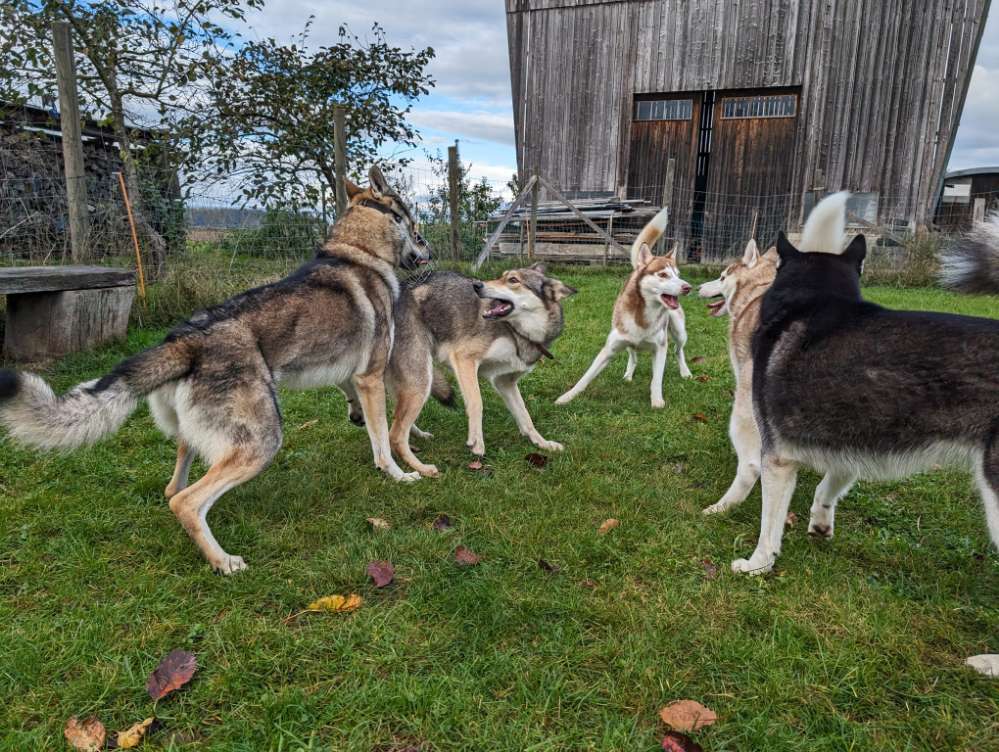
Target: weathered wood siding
882 83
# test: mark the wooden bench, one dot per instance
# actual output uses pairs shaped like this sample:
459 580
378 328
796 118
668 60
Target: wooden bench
55 310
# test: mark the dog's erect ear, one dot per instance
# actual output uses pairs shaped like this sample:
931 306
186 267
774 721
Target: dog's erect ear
751 255
378 182
785 250
644 255
559 289
352 189
673 251
856 252
539 267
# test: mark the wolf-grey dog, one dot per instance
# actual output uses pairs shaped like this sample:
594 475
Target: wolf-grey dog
647 315
498 329
858 391
212 382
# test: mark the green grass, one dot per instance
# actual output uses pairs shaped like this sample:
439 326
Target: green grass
853 644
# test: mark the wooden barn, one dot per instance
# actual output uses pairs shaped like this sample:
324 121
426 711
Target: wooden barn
740 113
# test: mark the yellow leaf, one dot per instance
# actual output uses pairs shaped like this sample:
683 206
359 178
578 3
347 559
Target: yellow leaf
337 604
131 737
607 526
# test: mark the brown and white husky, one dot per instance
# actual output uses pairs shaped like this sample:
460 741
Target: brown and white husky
647 314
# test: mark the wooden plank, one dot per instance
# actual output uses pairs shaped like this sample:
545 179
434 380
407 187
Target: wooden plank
16 280
524 193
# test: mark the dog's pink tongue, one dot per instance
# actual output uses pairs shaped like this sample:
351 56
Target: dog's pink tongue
716 307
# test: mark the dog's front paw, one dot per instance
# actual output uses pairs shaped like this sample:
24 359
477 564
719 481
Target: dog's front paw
820 530
476 446
987 664
754 565
408 477
686 374
229 565
565 399
429 471
551 446
658 404
716 508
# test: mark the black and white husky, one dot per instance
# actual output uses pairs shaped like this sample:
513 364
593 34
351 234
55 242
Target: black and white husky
857 391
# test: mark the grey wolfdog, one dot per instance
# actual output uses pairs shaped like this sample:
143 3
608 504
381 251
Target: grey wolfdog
858 391
498 329
211 383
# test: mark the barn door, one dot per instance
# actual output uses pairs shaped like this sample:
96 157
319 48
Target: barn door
749 172
665 127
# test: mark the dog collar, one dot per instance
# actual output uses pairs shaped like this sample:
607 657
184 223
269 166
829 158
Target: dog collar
545 352
380 207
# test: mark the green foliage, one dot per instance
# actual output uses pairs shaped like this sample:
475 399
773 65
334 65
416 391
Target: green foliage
275 102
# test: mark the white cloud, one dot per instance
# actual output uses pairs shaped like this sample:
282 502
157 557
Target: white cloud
488 126
977 142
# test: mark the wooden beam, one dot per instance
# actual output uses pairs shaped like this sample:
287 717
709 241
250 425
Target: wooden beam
453 188
72 140
16 280
507 216
667 196
558 194
532 227
340 157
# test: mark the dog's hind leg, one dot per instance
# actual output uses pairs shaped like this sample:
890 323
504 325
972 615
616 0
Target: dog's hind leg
779 478
466 368
834 486
371 392
678 333
613 346
748 448
408 404
507 387
987 479
354 412
629 371
181 470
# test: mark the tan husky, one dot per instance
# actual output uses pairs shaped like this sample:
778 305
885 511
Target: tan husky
647 314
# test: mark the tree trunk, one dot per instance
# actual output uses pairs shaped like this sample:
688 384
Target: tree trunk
157 245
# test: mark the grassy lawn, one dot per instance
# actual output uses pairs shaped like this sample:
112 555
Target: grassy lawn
853 644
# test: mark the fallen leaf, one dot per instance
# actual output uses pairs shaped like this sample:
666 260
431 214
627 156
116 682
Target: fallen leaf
549 567
710 569
377 523
700 417
381 573
88 735
703 378
536 460
465 557
687 715
676 742
589 584
791 519
442 523
697 359
337 604
308 423
173 673
132 736
475 465
607 526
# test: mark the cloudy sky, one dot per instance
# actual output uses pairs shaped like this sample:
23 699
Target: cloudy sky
471 101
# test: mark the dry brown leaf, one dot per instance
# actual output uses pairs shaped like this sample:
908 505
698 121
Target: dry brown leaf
133 736
697 359
677 742
703 378
549 567
687 715
791 519
442 523
88 735
173 673
377 523
475 465
466 557
337 604
381 573
536 460
589 584
710 569
607 526
700 417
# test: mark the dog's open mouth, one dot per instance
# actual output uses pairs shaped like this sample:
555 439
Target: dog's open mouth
717 307
670 301
498 309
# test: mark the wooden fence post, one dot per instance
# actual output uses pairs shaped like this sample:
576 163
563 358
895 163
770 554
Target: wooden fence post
72 140
453 188
340 157
668 197
532 227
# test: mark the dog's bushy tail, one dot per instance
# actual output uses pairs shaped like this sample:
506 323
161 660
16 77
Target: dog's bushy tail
441 389
970 263
825 228
33 415
649 234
